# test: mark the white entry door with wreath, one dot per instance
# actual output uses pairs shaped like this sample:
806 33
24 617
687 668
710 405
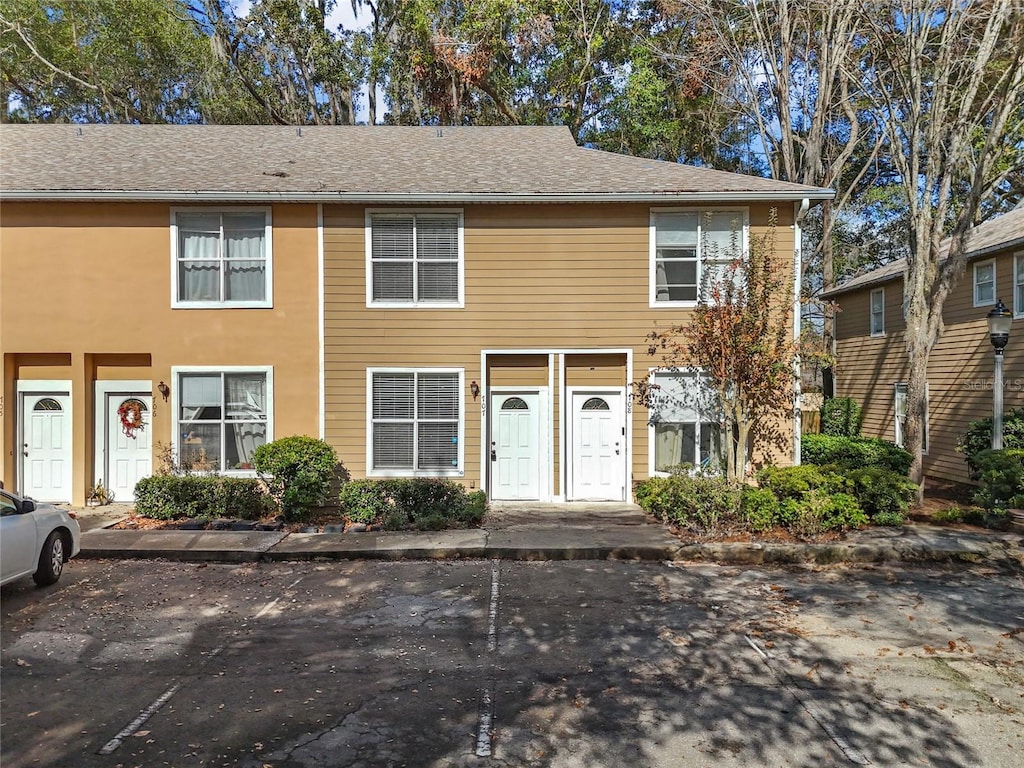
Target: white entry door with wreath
124 451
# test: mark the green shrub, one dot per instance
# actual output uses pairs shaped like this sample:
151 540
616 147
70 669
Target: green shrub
881 492
797 482
367 501
854 452
889 519
978 436
165 497
840 417
820 512
417 503
298 470
759 508
972 516
698 502
1000 476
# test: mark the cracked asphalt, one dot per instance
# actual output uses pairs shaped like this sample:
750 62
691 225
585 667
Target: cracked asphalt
366 663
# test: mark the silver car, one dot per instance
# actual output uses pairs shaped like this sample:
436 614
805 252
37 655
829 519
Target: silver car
35 538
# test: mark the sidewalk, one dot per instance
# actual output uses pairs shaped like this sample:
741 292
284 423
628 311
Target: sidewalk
546 532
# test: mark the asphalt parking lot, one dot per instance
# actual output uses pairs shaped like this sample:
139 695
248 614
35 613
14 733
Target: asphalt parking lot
480 663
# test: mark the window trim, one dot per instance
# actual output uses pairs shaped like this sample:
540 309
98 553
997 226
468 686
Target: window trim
897 431
978 302
652 426
1018 284
268 302
871 313
177 370
460 303
459 471
652 271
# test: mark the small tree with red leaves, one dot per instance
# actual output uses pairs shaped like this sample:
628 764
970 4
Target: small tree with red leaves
740 337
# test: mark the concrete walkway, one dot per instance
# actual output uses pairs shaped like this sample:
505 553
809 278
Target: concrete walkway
545 532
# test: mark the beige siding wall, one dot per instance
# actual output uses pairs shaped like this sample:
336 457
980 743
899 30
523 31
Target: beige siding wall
960 368
551 278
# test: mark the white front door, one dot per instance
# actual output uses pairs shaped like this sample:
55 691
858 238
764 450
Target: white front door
515 446
46 446
129 457
598 447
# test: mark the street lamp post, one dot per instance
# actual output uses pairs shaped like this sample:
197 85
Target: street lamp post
999 321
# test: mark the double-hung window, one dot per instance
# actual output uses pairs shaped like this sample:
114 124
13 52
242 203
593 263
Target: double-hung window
691 249
985 283
415 423
221 416
414 259
1018 285
878 312
221 258
684 421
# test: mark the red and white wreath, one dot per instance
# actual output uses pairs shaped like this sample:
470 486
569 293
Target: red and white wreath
130 414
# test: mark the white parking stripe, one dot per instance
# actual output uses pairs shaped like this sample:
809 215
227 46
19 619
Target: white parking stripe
153 708
811 708
485 726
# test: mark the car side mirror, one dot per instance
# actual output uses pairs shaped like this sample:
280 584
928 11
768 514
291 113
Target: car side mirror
27 505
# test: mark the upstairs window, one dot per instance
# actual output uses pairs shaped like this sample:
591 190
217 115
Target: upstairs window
985 283
878 312
684 244
415 259
221 259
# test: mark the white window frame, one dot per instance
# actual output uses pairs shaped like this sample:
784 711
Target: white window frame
881 313
459 471
177 371
460 303
268 250
652 471
980 302
1018 284
652 278
897 429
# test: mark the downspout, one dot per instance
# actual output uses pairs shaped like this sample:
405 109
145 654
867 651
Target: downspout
800 211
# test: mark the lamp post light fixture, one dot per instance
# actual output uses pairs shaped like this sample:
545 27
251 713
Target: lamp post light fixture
999 321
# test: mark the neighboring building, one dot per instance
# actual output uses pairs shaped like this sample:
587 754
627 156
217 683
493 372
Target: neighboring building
455 302
872 359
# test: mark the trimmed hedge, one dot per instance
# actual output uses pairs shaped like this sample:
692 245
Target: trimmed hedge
412 503
1000 476
298 470
165 497
854 453
698 502
978 437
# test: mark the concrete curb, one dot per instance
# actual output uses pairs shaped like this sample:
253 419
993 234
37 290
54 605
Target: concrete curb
646 543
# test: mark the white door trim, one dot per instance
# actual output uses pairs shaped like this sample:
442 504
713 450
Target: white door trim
127 387
570 436
543 436
22 387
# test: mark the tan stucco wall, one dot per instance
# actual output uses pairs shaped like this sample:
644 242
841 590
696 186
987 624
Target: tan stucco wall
92 282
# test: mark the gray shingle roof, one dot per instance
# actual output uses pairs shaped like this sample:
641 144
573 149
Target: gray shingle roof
1006 231
349 162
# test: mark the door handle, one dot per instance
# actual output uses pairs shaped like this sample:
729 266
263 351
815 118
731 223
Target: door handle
25 452
494 453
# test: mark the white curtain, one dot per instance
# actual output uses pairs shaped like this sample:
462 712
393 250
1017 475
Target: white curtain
198 257
243 242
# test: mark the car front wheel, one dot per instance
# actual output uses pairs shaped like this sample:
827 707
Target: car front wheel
51 560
